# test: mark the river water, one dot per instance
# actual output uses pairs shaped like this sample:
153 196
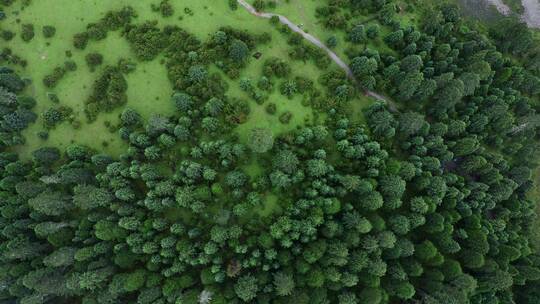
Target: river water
531 14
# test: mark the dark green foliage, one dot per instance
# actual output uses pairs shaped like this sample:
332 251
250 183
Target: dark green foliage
259 5
238 51
15 114
512 35
27 32
288 88
49 31
286 161
113 20
7 2
11 82
246 288
7 35
427 202
93 60
51 80
276 67
18 120
380 121
165 8
372 201
90 197
332 42
146 40
50 203
197 74
46 156
357 34
372 31
271 108
54 116
108 93
283 283
410 123
233 5
80 41
70 65
362 66
285 118
411 63
130 117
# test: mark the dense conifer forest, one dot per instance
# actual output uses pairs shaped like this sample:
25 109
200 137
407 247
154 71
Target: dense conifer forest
190 152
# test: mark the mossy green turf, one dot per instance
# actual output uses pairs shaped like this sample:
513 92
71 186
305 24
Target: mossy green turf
149 88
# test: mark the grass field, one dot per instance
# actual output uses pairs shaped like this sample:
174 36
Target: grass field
149 89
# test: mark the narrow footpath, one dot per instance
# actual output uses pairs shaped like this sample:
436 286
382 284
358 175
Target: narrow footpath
317 43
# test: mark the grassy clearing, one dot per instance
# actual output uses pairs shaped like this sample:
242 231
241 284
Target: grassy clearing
44 54
149 89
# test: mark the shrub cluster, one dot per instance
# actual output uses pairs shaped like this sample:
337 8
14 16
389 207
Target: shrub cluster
109 91
27 32
165 8
112 21
93 60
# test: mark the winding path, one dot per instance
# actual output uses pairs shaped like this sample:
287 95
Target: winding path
317 43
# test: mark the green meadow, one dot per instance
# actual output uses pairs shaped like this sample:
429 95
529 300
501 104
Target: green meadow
149 89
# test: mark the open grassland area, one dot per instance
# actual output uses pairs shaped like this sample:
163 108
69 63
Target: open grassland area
149 88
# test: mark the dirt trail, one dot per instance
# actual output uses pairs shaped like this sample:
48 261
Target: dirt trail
317 43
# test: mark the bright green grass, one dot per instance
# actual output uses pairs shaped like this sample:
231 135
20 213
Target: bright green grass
75 86
149 89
